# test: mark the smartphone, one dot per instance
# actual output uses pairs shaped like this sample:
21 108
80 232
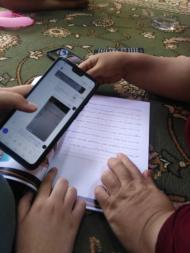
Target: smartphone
64 53
59 95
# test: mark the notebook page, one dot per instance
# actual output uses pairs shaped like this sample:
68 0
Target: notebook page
105 127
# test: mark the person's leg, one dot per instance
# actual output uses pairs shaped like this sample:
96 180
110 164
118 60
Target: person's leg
34 5
7 217
51 222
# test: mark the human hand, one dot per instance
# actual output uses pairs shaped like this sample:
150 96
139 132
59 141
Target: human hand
133 206
51 222
13 98
105 67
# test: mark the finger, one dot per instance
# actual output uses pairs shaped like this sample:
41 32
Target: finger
24 206
119 169
101 196
130 166
10 100
110 181
94 73
59 191
148 176
22 89
79 210
147 173
70 198
85 65
89 63
46 185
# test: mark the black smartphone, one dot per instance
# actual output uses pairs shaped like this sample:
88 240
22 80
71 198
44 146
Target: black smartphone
59 95
64 53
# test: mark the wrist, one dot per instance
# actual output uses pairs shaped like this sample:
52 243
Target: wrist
152 228
133 63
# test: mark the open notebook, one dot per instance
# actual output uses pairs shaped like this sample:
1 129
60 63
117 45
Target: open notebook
105 127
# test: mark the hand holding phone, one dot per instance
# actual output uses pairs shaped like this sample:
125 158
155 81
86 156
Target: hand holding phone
59 95
13 98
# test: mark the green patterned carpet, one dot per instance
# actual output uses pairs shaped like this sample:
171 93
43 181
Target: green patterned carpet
177 6
112 24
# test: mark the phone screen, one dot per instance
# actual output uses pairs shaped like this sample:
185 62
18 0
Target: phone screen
59 96
64 53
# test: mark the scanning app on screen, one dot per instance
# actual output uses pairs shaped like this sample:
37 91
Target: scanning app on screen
58 95
47 119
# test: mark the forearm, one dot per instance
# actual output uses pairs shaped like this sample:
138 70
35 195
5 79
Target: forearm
165 76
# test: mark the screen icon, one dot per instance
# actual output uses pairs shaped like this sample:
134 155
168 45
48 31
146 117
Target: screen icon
5 130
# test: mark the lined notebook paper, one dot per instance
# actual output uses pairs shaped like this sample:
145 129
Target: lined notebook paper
105 127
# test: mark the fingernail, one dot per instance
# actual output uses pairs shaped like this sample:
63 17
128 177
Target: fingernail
120 155
53 170
32 106
29 195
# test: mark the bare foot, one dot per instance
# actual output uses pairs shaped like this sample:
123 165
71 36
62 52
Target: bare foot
133 206
51 222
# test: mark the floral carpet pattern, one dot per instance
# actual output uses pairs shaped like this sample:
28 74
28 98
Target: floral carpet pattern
121 23
179 6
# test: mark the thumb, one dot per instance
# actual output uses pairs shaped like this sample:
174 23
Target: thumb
94 73
24 206
11 100
21 89
89 63
147 173
148 176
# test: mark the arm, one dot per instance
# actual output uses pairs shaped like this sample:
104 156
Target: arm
13 98
165 76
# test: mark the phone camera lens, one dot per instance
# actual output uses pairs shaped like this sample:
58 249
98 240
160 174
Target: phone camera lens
44 146
63 53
